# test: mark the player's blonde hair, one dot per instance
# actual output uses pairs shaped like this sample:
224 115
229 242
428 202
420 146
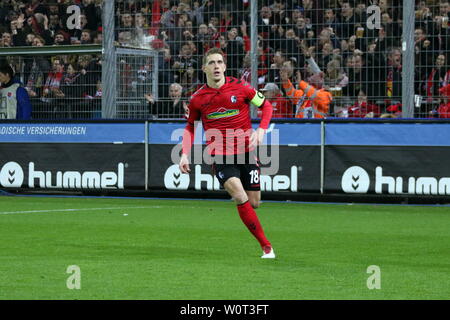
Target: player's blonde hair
211 51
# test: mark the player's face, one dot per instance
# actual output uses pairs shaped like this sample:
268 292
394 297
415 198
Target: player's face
214 67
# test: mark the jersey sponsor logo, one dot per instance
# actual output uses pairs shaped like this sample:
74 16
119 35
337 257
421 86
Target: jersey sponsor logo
223 113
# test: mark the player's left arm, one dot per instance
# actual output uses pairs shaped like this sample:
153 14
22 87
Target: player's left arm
258 99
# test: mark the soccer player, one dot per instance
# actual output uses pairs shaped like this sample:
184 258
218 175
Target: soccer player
223 105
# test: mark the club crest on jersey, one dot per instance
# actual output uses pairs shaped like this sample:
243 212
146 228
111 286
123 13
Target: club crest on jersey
223 113
233 99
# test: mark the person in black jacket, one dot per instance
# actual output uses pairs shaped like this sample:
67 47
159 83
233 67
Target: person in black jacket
173 108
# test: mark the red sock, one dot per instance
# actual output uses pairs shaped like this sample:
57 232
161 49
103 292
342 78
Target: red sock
250 219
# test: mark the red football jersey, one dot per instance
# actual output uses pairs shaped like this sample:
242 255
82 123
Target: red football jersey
225 115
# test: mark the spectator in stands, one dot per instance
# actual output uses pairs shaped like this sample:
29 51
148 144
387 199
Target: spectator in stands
16 103
190 82
245 73
201 39
184 61
86 37
7 39
362 108
279 58
141 31
175 107
300 28
440 32
126 21
444 108
332 21
265 22
357 77
52 93
348 20
90 74
98 38
335 77
166 75
360 13
438 77
55 24
19 35
282 108
234 51
70 89
326 54
423 56
38 24
290 45
29 39
196 14
60 39
125 38
310 101
279 13
88 83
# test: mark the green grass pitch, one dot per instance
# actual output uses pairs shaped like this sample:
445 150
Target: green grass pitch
194 249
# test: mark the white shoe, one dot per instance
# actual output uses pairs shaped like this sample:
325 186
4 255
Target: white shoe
268 253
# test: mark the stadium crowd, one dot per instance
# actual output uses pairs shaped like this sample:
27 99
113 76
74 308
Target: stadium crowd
326 43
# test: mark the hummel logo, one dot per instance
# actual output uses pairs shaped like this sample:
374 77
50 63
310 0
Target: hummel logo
11 175
11 178
355 186
175 180
355 180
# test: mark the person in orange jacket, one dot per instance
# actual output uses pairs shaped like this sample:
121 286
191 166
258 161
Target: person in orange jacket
311 102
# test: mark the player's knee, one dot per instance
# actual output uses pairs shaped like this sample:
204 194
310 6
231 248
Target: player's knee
240 198
255 203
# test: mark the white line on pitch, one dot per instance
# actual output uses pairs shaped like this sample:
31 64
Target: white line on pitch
76 210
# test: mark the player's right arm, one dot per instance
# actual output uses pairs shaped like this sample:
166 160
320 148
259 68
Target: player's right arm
188 137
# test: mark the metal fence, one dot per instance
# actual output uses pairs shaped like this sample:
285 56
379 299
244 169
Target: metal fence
66 86
386 58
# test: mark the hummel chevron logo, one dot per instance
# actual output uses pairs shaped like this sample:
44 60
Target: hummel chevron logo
175 180
355 179
11 175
